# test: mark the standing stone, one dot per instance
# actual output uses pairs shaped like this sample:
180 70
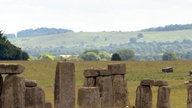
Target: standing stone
189 96
163 98
90 82
89 97
1 84
120 93
104 83
64 91
48 105
34 97
13 93
143 97
1 87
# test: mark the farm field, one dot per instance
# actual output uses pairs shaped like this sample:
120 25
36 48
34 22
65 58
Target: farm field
44 72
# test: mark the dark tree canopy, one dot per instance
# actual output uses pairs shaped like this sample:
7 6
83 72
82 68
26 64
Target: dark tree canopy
169 56
127 54
172 27
115 57
9 51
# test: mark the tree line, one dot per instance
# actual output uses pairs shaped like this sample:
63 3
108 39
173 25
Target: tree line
143 50
40 32
9 51
172 27
96 55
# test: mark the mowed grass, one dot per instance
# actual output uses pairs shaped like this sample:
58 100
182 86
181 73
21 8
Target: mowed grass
44 73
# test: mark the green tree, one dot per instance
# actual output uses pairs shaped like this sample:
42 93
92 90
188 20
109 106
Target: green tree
25 56
115 57
90 56
169 56
95 55
95 51
9 51
127 54
104 56
188 56
46 57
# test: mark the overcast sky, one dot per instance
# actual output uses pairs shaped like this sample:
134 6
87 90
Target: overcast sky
93 15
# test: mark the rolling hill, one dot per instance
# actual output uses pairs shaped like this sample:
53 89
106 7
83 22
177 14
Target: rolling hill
77 42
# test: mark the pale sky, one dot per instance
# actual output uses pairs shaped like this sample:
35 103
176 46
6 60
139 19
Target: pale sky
93 15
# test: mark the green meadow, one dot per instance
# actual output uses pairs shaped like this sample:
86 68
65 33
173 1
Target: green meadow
88 39
44 73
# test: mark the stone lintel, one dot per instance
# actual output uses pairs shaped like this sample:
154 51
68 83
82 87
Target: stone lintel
160 83
30 83
147 82
104 72
152 82
117 69
11 68
91 73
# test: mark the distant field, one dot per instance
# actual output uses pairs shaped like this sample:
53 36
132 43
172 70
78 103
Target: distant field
44 73
86 39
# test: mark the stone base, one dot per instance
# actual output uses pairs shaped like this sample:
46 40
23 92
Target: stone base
89 97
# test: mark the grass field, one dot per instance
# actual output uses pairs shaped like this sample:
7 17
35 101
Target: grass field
44 73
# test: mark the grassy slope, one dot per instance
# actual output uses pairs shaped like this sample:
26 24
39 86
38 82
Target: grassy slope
44 72
98 38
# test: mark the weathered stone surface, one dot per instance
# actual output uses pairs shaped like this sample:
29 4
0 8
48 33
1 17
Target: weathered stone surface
163 98
160 83
13 93
189 97
64 91
104 83
34 97
189 83
91 73
104 72
1 87
89 97
30 83
48 105
120 92
147 82
11 68
143 97
117 69
89 82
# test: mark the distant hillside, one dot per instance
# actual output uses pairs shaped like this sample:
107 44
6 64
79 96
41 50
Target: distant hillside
169 28
150 43
10 35
40 32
